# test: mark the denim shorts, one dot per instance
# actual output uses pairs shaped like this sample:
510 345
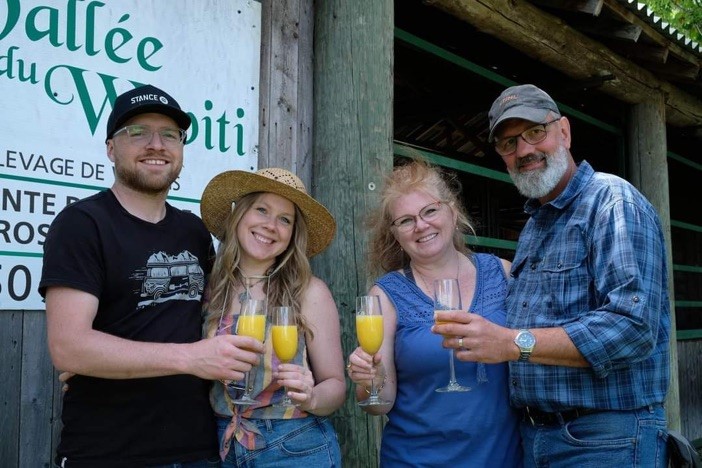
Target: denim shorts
305 442
622 439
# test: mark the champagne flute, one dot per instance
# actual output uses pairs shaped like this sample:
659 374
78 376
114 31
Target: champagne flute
284 334
251 322
369 329
447 296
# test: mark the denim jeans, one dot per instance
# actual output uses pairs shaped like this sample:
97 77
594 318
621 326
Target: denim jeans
622 439
209 463
307 442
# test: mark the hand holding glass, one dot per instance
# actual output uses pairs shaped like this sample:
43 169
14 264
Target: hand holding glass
369 329
447 296
251 322
284 334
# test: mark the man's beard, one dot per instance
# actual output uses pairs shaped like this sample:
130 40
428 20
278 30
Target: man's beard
540 182
141 182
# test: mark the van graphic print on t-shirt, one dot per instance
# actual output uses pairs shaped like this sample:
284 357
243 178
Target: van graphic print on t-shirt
170 277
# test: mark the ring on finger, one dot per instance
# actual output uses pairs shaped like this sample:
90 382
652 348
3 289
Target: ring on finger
460 342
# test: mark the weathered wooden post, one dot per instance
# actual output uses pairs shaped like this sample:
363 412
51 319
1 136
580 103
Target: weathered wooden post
353 90
648 171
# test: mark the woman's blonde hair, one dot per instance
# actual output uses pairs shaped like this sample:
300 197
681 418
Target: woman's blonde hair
416 175
289 277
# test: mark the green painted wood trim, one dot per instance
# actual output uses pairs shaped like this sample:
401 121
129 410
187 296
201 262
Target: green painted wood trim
492 76
688 226
400 149
490 242
683 160
688 334
688 268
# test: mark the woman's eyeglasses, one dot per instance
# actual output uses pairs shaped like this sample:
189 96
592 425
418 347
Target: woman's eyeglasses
428 213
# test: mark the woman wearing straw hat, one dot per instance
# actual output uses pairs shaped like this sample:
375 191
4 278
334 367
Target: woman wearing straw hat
268 226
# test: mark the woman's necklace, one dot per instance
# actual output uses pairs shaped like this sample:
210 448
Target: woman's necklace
245 282
424 280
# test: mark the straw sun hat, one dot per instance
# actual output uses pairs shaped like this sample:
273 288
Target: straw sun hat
231 186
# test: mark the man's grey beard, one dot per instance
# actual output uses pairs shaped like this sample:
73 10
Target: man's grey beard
540 182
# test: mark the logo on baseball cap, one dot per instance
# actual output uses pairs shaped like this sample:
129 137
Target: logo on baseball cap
520 102
142 100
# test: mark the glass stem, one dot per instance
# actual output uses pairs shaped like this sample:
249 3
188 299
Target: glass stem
373 392
452 367
246 384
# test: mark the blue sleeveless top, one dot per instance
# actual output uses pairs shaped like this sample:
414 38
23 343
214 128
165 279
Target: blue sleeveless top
430 429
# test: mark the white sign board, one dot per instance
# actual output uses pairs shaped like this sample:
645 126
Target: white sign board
62 63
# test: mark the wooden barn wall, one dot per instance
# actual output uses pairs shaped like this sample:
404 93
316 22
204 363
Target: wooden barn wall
690 387
30 394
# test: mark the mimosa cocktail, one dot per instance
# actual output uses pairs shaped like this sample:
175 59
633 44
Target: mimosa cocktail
369 330
284 334
447 296
253 326
284 341
251 322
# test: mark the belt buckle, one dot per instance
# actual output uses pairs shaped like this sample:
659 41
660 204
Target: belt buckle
531 418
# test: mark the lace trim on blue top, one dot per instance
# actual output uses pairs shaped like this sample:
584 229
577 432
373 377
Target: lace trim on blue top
486 293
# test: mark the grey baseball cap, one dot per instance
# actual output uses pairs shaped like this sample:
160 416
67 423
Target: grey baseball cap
520 102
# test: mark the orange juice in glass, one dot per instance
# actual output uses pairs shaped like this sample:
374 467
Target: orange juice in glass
251 322
284 341
441 322
284 335
447 296
369 330
253 326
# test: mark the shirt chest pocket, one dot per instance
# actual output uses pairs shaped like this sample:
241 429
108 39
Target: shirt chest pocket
565 281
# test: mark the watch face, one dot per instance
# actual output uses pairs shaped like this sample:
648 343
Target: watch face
525 340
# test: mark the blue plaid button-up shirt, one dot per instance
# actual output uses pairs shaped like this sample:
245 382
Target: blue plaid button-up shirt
593 261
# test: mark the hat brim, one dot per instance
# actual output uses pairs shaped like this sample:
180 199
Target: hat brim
231 186
521 112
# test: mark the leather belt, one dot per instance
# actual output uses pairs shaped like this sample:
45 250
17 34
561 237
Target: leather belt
542 418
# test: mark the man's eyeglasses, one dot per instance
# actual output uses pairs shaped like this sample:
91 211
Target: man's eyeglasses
142 134
533 135
429 213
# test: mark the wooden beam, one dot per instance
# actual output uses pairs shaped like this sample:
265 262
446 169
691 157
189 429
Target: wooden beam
648 53
611 29
617 8
682 71
588 7
549 40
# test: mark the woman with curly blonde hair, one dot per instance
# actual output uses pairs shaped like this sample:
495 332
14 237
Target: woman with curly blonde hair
417 236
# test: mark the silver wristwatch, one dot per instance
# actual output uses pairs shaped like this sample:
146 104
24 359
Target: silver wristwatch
525 341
